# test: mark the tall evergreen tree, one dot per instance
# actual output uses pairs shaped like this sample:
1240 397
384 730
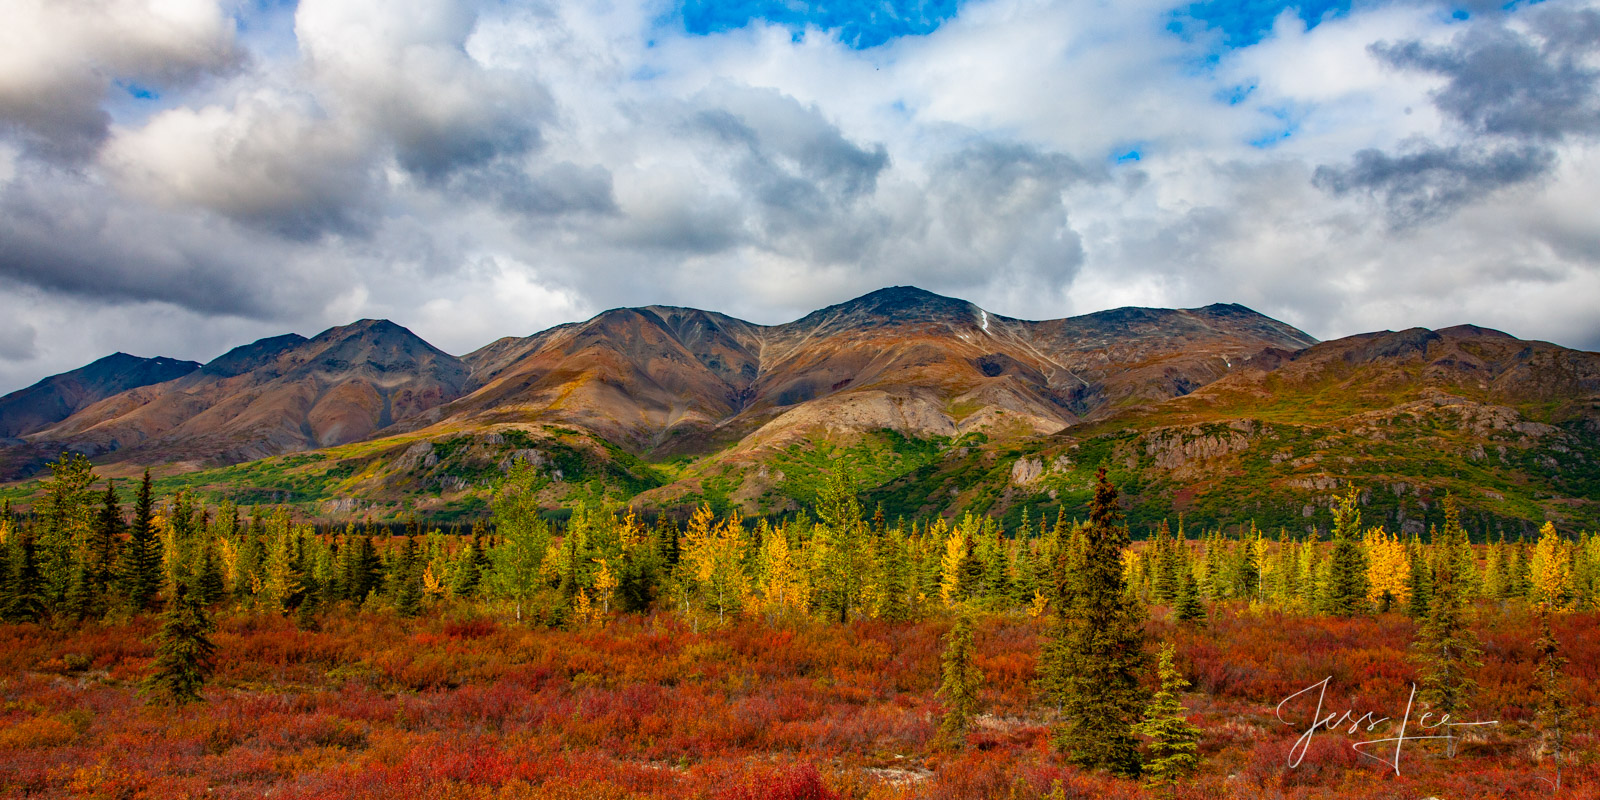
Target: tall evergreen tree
1421 582
959 687
406 580
1057 658
843 559
1553 711
141 556
894 577
185 656
1173 751
102 557
1446 650
22 592
1347 565
210 587
1104 631
1188 607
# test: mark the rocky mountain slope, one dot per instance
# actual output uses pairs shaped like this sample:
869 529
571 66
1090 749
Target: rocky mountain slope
1511 427
932 403
279 395
60 396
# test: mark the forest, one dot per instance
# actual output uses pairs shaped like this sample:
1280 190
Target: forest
163 647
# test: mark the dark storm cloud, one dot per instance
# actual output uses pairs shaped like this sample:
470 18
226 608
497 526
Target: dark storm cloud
433 148
58 127
799 168
557 190
17 341
68 239
1431 182
1503 82
994 172
1515 94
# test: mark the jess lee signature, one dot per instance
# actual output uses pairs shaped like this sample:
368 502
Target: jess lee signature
1367 723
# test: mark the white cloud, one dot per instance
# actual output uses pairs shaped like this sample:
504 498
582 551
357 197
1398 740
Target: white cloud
59 59
476 169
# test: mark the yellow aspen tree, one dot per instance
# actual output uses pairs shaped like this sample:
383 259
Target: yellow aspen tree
951 566
229 554
1550 569
783 583
629 531
605 583
716 555
1388 569
431 585
582 608
1261 549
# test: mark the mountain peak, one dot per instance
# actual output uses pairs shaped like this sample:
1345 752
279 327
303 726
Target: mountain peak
59 396
378 329
247 357
896 304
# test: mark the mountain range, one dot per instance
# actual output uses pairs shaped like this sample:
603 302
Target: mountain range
933 404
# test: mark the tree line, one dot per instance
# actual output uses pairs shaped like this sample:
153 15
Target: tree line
82 556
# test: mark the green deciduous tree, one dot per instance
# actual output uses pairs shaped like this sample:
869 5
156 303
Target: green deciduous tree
843 560
514 563
65 519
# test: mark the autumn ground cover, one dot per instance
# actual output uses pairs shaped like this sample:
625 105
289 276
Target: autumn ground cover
464 704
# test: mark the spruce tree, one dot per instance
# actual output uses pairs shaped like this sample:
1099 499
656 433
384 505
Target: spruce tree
1420 584
22 594
184 652
406 580
1172 753
894 578
1553 711
1104 633
141 556
210 585
960 685
1056 658
101 564
467 572
1347 565
1446 650
1188 607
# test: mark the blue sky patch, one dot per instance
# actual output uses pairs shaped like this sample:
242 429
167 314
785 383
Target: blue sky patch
860 24
1287 124
1234 95
139 92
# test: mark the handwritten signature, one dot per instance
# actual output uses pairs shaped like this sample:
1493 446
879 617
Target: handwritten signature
1367 723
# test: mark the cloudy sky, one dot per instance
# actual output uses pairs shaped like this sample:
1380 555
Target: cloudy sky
181 176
